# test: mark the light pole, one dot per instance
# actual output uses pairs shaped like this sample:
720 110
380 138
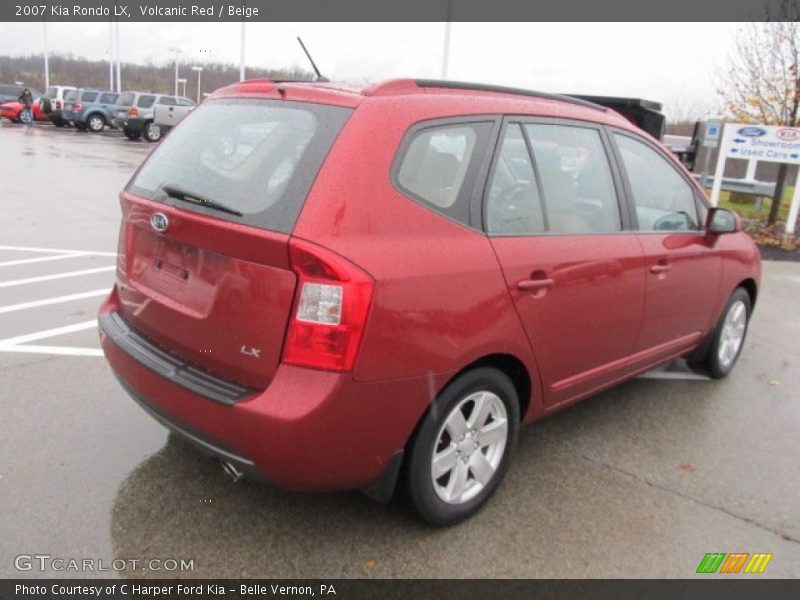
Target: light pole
177 51
447 28
110 56
241 56
46 61
119 61
199 70
183 83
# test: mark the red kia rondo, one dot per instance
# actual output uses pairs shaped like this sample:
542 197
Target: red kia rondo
329 288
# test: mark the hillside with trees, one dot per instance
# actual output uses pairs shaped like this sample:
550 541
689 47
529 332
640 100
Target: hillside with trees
66 69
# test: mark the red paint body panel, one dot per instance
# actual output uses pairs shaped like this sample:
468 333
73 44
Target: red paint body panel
444 296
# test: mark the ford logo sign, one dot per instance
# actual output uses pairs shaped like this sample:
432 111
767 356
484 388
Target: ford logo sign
159 221
752 131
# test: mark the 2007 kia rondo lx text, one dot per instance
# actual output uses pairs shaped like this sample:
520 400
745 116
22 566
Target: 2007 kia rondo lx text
336 289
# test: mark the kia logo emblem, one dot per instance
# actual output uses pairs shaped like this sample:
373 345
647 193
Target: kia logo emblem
159 221
788 135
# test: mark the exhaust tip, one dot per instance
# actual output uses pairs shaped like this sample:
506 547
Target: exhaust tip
231 471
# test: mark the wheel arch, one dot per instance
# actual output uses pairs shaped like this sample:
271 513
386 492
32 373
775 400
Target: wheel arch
751 287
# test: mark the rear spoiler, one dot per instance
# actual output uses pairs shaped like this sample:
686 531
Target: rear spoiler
645 114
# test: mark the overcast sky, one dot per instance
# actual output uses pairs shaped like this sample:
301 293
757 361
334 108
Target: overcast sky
674 63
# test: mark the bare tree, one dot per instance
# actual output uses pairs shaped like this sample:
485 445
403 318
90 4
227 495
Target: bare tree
762 83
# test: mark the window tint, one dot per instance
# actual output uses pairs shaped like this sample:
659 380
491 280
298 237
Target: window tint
513 203
108 98
167 101
664 200
89 96
575 178
255 156
146 101
435 163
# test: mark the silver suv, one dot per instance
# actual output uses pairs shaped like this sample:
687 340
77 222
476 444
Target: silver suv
135 112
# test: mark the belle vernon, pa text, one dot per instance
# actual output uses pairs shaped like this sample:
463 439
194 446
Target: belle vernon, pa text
209 590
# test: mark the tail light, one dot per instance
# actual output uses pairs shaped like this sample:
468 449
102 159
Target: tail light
58 104
77 106
133 112
330 309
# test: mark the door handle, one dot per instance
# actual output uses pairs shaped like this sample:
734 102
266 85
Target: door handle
661 267
534 285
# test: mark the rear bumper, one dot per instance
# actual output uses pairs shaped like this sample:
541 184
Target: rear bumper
308 431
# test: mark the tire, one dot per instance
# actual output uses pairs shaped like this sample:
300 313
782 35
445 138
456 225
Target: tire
96 123
151 132
81 126
728 337
131 135
445 500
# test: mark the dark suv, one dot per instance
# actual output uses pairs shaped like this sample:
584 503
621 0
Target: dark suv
330 288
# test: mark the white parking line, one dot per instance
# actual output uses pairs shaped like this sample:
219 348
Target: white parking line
27 261
56 250
47 333
16 282
54 300
60 350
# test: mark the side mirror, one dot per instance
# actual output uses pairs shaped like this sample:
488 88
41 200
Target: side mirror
722 220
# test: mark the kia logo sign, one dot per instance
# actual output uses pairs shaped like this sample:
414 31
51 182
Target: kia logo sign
159 221
752 131
788 135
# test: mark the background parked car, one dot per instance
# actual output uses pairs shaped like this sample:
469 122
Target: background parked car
13 110
11 92
93 109
169 112
135 114
53 103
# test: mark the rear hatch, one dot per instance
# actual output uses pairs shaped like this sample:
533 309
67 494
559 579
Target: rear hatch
204 269
124 103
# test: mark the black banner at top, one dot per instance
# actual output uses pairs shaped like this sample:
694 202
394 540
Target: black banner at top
394 10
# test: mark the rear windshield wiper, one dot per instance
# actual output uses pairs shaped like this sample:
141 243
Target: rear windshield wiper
174 191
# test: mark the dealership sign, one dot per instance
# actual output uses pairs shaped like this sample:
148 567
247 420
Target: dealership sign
760 143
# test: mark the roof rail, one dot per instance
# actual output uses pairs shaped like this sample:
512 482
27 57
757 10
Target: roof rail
482 87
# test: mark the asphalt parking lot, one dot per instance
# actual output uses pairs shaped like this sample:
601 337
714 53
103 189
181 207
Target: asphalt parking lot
640 481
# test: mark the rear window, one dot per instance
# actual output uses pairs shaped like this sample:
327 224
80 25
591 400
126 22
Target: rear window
88 96
71 95
126 99
51 92
258 157
145 101
108 98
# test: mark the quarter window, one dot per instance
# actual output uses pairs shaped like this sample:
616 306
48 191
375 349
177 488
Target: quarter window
435 164
664 200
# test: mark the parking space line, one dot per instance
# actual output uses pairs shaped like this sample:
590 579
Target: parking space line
56 250
47 333
16 282
27 261
55 300
61 350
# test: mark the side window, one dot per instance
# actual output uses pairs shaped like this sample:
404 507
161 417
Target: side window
185 102
89 96
575 177
145 101
108 99
436 165
664 200
513 204
167 101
